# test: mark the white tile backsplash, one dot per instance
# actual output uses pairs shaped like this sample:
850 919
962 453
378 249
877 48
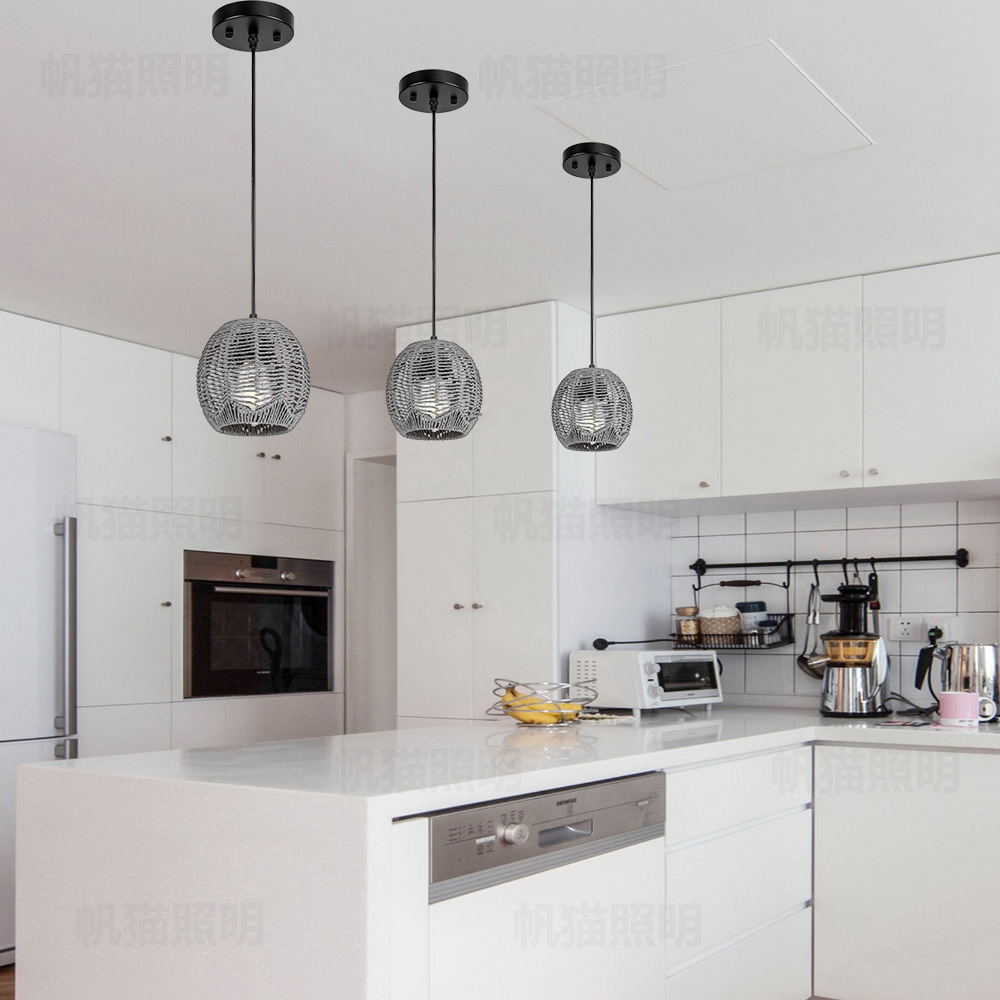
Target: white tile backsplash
929 513
979 511
820 544
681 527
937 540
978 590
911 588
683 552
874 542
723 549
873 517
821 520
983 543
759 523
927 591
770 673
722 524
767 548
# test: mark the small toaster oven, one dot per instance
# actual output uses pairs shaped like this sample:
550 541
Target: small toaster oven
648 678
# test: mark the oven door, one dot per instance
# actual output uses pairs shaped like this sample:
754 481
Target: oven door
690 676
246 639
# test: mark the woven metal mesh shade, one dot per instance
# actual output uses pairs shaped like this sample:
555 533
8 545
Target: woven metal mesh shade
253 378
591 410
433 392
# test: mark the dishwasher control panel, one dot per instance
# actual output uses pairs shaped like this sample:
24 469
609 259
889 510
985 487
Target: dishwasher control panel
466 841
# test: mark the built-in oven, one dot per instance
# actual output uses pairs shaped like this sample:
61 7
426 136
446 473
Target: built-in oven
256 624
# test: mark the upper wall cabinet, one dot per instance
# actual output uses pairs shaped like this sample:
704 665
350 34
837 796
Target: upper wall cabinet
295 478
215 475
512 447
932 355
669 360
29 374
116 400
791 389
304 470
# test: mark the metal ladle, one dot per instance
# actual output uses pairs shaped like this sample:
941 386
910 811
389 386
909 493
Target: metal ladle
812 662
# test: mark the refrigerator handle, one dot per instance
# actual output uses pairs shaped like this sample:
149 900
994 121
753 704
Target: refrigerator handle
66 529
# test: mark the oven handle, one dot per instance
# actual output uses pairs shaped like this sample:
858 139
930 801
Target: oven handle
272 591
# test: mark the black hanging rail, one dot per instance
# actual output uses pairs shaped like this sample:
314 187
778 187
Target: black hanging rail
960 558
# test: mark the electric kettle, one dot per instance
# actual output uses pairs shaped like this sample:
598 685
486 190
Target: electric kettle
965 666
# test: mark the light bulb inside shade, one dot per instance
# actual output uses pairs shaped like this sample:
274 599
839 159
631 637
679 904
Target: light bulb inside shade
435 397
590 415
252 385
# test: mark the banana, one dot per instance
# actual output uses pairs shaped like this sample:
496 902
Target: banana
540 711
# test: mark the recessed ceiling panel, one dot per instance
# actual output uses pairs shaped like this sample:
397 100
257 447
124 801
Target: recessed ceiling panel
732 113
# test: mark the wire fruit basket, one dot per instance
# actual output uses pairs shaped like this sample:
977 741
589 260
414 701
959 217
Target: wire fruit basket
540 703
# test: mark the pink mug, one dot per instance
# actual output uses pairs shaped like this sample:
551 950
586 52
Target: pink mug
959 708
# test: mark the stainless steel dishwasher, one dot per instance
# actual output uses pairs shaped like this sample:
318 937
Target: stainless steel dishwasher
550 894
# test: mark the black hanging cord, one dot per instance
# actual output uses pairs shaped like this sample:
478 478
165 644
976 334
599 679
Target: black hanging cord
590 172
434 216
253 176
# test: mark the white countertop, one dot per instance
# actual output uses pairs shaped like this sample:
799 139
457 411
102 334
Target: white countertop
404 772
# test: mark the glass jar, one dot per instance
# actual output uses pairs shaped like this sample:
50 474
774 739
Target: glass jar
686 624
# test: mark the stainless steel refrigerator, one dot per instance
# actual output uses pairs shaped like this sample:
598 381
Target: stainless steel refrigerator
37 622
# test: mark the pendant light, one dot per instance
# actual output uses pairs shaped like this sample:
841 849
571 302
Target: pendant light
433 392
592 410
253 376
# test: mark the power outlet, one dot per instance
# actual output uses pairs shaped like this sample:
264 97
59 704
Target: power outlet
947 623
905 629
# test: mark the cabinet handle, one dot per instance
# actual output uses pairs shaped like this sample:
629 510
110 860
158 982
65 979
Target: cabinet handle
166 437
703 485
166 604
476 607
873 472
261 454
288 575
458 607
275 456
844 473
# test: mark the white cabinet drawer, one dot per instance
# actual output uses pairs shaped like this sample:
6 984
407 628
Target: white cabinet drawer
706 800
726 886
774 964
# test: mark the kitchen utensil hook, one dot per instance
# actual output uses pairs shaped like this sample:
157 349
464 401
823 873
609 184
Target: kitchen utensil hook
843 566
816 571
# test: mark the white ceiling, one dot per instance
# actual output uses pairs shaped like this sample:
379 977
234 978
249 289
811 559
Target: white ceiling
128 214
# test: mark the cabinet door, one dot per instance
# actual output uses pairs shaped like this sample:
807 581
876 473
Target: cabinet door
791 389
124 627
773 964
29 372
727 886
906 881
214 475
669 359
932 410
513 445
116 400
434 638
304 470
111 729
584 930
429 470
514 592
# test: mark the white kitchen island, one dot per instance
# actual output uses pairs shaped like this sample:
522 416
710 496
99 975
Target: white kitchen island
296 868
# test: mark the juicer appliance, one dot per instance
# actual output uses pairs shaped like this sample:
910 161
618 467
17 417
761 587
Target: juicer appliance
855 681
